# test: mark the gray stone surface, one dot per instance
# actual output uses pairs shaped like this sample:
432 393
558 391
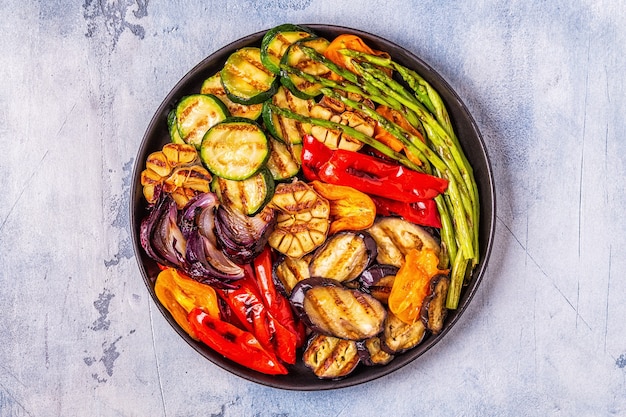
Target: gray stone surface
545 335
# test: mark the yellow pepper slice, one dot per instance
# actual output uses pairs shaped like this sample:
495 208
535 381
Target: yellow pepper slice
350 209
180 294
412 284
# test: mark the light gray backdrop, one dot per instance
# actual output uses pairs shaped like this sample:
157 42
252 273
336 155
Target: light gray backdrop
545 334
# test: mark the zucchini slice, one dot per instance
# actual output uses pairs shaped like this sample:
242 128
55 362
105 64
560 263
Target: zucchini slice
213 85
277 40
285 159
283 128
245 79
196 114
295 57
172 127
235 148
248 196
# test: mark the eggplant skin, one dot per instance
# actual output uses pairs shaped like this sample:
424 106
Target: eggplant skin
434 309
399 337
330 357
372 353
329 308
344 256
377 280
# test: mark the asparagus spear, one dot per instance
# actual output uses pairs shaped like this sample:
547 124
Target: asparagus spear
431 99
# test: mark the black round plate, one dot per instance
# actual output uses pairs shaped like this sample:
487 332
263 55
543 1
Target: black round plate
299 377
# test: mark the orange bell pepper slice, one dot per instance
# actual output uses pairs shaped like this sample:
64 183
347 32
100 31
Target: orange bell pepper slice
352 42
350 209
390 140
180 294
411 285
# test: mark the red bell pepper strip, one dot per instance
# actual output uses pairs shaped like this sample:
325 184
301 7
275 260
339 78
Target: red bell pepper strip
375 177
424 212
247 305
235 344
274 300
314 155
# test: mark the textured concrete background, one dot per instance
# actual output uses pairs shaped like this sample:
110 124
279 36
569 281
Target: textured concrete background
545 334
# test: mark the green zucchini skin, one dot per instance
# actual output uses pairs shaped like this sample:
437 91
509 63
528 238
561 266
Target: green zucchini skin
213 85
235 148
294 57
248 196
196 114
245 79
172 127
285 159
277 40
282 128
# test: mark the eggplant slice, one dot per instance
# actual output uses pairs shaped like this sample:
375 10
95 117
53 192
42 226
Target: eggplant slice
289 271
434 309
372 353
344 256
395 237
378 280
331 357
329 308
399 337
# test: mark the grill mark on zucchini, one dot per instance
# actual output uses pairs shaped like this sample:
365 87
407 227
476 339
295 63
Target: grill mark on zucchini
243 76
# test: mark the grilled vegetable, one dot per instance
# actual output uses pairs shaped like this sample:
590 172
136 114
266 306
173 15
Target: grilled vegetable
160 236
335 139
197 113
283 128
242 237
213 85
234 149
374 176
245 79
248 305
275 301
294 57
423 213
248 196
329 308
434 309
350 42
396 237
302 220
172 127
390 140
330 357
378 280
289 271
277 40
371 352
186 182
412 284
285 159
399 337
349 209
314 155
343 257
176 170
204 261
180 294
235 344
